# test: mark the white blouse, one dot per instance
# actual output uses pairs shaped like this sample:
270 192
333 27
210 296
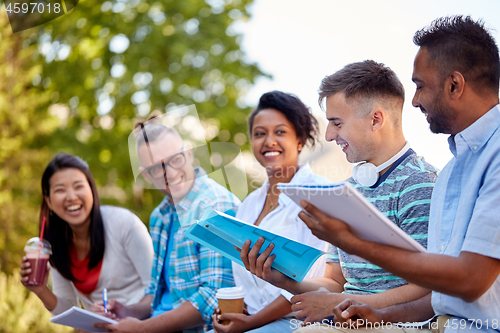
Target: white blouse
284 221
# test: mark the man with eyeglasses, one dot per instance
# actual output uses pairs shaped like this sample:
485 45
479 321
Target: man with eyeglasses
185 275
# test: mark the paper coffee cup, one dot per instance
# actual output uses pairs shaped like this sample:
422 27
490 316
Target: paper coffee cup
230 301
37 254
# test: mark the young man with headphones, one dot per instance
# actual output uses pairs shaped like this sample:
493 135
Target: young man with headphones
364 103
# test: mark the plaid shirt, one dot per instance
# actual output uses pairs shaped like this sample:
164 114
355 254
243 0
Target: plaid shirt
195 272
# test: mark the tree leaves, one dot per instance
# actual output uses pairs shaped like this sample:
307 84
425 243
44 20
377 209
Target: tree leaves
77 83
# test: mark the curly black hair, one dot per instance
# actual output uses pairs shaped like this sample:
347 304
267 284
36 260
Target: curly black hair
297 113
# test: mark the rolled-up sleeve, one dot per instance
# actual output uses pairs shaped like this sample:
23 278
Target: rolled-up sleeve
215 273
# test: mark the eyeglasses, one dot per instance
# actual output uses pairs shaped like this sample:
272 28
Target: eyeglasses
158 170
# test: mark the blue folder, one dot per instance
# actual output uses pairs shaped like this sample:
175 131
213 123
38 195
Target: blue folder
221 233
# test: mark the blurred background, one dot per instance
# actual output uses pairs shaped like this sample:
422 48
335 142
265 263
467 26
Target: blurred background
78 83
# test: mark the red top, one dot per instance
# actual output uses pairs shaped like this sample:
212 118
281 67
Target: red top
81 273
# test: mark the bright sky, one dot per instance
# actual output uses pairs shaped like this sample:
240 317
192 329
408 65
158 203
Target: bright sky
300 42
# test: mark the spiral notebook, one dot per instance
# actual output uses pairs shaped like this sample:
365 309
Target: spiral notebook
81 319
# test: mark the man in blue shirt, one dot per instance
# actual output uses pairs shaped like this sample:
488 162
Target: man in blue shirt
185 275
456 71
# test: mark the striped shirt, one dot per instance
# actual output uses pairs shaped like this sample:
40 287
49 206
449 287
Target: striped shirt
403 194
195 272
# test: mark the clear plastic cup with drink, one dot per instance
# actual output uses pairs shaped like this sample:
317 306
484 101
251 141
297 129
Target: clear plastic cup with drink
230 301
37 254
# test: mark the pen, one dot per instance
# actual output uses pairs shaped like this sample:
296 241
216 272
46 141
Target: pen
105 299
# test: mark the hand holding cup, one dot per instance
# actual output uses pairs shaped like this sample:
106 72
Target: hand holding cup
230 301
34 267
27 271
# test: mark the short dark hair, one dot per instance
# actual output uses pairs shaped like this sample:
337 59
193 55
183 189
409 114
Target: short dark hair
458 43
365 79
151 130
57 231
296 112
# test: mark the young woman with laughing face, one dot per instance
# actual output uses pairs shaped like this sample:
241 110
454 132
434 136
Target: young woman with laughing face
279 128
93 246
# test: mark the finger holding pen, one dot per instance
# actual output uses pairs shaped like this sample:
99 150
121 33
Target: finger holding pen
111 310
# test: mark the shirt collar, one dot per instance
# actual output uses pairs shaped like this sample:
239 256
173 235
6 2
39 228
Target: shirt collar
386 174
165 204
298 178
476 135
185 202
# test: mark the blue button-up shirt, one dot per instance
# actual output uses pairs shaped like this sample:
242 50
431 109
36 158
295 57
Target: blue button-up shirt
195 272
465 216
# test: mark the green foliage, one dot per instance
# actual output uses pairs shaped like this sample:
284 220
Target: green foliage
55 83
21 311
57 94
23 122
180 53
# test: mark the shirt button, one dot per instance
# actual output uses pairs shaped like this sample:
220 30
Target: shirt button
442 248
475 147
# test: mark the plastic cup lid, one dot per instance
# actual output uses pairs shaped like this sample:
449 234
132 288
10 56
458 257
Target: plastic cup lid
33 245
230 293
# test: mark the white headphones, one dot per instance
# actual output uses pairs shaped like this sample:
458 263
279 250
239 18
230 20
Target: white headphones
366 174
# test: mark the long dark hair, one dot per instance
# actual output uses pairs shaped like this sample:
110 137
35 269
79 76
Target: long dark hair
57 231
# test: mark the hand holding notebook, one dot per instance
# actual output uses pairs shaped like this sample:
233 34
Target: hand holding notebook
81 319
343 202
221 233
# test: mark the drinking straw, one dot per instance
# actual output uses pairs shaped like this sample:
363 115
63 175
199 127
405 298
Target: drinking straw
41 232
39 247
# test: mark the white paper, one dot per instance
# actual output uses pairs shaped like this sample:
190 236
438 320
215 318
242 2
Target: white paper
343 202
81 319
